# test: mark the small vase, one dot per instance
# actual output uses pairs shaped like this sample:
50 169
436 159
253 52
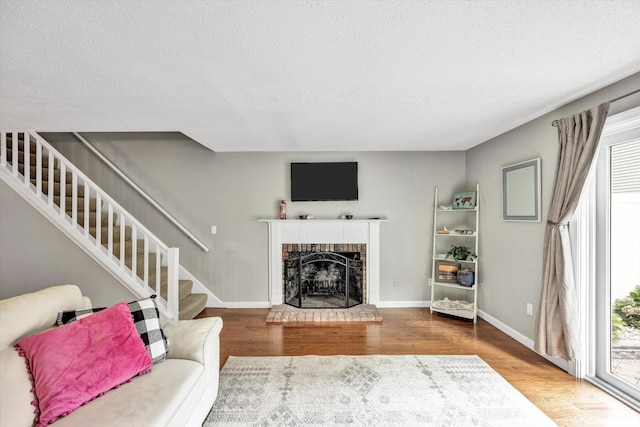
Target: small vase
283 209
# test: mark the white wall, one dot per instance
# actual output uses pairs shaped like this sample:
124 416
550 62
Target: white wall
232 190
512 251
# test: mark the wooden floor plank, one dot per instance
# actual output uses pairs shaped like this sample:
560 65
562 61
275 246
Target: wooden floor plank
569 402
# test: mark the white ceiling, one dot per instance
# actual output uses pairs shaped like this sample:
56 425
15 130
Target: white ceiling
308 75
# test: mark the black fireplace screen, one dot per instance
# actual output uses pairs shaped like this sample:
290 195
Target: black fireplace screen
323 279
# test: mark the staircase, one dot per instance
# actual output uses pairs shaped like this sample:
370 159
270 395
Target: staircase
71 196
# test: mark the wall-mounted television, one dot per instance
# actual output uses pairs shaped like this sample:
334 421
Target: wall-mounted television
324 181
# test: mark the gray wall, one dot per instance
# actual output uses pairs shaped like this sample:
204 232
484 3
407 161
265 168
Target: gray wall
34 254
512 251
232 190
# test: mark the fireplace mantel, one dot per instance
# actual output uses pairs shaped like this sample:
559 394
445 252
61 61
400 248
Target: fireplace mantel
321 231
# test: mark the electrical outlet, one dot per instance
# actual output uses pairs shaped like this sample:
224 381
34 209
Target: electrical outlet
395 283
529 309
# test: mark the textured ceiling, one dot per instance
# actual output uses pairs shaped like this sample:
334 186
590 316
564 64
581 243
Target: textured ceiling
308 75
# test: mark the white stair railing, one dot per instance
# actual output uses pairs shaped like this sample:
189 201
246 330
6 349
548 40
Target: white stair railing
143 277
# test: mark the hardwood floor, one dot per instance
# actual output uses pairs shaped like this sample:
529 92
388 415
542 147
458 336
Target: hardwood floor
569 402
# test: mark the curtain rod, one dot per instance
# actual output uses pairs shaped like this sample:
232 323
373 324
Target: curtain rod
555 122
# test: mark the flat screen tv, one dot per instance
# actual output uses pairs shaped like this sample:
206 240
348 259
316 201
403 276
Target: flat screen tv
324 181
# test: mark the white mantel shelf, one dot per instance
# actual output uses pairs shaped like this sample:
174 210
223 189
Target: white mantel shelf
282 231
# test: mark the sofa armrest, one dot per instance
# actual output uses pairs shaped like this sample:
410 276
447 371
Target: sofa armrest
197 339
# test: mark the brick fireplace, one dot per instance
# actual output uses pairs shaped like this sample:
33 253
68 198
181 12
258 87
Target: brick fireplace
360 236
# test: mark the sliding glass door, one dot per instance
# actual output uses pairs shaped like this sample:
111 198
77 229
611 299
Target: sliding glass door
617 255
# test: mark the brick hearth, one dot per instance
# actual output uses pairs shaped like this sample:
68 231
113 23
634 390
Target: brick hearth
287 314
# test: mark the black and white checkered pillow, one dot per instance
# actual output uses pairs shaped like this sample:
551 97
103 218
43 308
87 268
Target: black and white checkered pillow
146 317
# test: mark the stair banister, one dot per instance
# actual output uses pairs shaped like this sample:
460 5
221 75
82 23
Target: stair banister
141 192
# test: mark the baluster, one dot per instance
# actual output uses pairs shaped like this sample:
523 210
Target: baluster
158 262
38 168
27 158
63 188
3 148
173 258
122 245
86 210
110 230
14 153
146 260
50 183
98 220
74 200
134 255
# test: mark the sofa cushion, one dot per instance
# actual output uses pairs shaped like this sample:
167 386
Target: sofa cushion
76 363
31 313
146 318
15 390
164 398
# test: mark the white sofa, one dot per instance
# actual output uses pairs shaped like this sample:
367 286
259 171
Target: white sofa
177 392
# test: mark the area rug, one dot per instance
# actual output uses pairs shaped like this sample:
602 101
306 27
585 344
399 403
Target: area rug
368 391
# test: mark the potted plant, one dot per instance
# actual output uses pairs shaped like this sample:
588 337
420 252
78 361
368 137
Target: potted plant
461 253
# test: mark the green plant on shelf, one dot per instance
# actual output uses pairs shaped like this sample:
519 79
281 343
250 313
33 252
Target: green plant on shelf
461 253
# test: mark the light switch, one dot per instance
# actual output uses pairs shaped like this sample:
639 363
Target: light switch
214 229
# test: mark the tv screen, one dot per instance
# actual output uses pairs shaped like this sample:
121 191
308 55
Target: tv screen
324 181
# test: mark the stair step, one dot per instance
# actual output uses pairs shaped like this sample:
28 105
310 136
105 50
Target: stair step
104 218
56 188
45 174
104 233
32 146
192 305
128 244
68 203
140 264
163 277
184 289
32 155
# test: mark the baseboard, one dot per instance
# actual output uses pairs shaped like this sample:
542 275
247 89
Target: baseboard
403 304
527 342
381 304
247 304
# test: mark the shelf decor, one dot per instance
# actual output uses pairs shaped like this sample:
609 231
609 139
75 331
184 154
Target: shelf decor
457 276
465 200
447 271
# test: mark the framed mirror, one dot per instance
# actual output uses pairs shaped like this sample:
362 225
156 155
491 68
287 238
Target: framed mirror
521 191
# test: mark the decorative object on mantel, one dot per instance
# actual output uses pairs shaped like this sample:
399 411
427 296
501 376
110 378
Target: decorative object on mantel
305 216
283 209
345 216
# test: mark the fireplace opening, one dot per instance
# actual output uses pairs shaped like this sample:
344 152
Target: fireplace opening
324 279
